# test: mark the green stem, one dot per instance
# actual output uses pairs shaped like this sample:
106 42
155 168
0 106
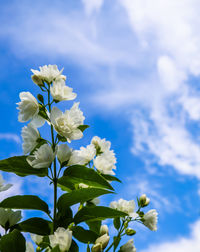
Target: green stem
54 166
118 236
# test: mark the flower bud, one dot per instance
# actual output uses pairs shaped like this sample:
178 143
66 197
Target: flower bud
125 224
97 247
144 201
37 80
103 240
130 231
103 229
40 98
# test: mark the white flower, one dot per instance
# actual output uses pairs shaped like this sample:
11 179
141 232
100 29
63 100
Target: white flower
101 144
28 107
144 200
103 229
37 238
29 247
42 157
30 136
10 216
83 156
61 92
102 241
151 219
63 153
128 247
47 73
124 206
38 121
3 187
61 237
66 124
106 162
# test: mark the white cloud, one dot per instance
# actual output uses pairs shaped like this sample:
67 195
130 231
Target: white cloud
11 137
182 244
148 49
92 5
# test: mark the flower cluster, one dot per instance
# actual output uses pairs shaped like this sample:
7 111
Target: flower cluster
83 174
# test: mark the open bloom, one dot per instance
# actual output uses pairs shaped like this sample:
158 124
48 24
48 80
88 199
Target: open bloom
124 206
42 157
61 237
47 73
3 187
83 156
63 153
66 124
9 216
61 92
128 247
30 136
101 144
105 162
151 219
28 107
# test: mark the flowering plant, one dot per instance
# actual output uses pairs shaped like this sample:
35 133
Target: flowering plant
83 175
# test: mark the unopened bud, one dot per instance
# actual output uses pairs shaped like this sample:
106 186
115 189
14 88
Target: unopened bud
37 80
103 240
97 247
130 231
40 98
144 201
126 224
103 229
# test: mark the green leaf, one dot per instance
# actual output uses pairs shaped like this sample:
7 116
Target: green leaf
117 223
36 226
94 226
56 249
61 138
73 247
20 167
97 213
64 216
81 196
83 127
110 177
14 241
65 184
25 202
84 235
76 174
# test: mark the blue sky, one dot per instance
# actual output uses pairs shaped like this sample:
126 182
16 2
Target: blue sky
135 66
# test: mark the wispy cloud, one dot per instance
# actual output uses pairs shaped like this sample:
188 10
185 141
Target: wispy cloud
10 137
149 50
181 244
